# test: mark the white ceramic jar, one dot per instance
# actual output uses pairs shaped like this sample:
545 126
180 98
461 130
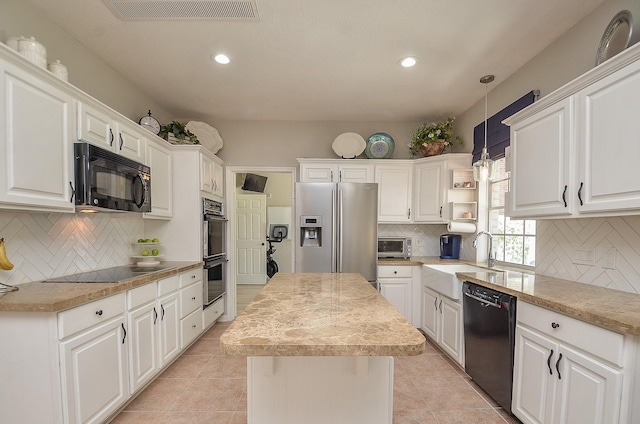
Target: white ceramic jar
33 51
59 70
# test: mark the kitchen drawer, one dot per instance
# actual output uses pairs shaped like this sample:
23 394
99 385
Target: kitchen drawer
168 285
395 271
190 299
598 341
141 295
190 328
190 277
86 316
212 312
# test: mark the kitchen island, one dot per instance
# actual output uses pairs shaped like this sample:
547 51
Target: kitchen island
320 349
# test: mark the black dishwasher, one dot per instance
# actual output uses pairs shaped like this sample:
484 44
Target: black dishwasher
489 336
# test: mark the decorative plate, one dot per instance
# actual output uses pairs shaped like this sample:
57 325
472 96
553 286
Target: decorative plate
616 37
379 146
208 136
348 145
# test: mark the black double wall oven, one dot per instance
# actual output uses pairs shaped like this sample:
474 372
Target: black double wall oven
214 252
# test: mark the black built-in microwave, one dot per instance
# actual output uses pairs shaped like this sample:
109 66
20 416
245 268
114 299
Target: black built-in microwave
106 181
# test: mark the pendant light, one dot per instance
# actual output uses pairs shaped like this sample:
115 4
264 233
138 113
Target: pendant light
483 168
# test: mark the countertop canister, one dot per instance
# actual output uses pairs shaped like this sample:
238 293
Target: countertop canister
59 70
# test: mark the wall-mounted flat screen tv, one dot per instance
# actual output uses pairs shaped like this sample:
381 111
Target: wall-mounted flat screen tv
253 182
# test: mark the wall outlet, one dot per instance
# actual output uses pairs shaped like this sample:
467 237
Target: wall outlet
609 257
584 256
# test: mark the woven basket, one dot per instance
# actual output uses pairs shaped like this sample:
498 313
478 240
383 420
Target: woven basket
432 149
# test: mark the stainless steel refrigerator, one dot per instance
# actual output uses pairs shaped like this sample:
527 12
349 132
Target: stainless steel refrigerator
337 228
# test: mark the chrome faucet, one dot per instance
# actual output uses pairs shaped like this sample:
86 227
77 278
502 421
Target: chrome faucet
491 261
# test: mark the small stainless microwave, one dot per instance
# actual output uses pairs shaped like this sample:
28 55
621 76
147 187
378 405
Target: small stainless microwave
106 181
394 247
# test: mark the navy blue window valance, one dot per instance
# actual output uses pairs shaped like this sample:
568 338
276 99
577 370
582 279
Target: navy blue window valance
497 132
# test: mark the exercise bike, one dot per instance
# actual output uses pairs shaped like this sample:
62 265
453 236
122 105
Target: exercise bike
277 234
272 265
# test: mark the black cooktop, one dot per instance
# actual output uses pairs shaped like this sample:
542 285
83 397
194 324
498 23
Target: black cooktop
109 275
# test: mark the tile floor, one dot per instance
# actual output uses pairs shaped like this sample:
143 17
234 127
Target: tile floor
204 386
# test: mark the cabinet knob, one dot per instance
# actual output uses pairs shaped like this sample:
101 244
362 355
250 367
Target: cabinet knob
193 298
99 312
193 326
193 276
555 325
395 272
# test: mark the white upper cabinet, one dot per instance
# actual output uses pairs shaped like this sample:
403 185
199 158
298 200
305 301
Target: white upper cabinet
160 161
544 138
440 188
394 191
574 152
37 116
609 176
335 171
101 126
211 175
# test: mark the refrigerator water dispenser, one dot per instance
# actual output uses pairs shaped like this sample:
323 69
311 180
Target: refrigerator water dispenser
310 231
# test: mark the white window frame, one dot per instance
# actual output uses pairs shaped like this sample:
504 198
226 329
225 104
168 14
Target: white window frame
517 229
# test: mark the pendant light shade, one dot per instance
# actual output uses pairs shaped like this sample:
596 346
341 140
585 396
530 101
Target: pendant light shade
483 168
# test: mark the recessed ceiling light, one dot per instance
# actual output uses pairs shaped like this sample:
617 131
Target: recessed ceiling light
221 59
408 62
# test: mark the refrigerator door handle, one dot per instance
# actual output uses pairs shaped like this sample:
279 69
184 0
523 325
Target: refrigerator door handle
333 232
340 244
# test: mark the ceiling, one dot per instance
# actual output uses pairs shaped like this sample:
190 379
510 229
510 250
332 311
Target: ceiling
323 60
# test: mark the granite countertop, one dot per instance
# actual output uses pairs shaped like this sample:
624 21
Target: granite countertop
612 309
417 261
55 297
304 314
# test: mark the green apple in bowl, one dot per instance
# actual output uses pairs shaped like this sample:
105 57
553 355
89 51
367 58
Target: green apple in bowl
145 252
155 252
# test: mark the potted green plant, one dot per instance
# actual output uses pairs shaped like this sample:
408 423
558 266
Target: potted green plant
431 139
177 133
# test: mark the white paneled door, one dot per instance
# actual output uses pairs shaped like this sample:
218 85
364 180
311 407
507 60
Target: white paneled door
251 231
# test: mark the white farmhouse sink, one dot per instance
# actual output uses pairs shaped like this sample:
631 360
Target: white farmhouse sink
442 277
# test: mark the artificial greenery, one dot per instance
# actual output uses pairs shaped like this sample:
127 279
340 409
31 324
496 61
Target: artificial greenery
433 133
179 131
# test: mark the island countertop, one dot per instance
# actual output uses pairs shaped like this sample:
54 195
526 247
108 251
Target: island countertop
304 314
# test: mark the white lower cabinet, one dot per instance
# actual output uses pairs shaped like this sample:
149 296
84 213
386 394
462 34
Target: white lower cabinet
400 285
190 307
93 360
442 322
568 371
169 319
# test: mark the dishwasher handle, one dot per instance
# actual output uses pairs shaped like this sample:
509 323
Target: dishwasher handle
484 302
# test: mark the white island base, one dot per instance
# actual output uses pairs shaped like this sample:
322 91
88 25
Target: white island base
320 389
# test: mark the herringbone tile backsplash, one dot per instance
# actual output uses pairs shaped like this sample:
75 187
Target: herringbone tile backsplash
44 245
557 241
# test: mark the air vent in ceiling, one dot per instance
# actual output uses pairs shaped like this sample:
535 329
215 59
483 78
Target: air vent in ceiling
134 10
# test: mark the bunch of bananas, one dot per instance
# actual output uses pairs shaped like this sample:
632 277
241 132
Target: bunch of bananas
4 261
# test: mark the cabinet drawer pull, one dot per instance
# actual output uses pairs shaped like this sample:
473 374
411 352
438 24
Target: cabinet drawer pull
162 316
440 211
435 303
155 315
555 325
558 366
110 137
125 333
440 305
99 312
580 194
121 140
564 196
549 362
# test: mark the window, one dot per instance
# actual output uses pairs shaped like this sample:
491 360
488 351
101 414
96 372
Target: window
514 240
